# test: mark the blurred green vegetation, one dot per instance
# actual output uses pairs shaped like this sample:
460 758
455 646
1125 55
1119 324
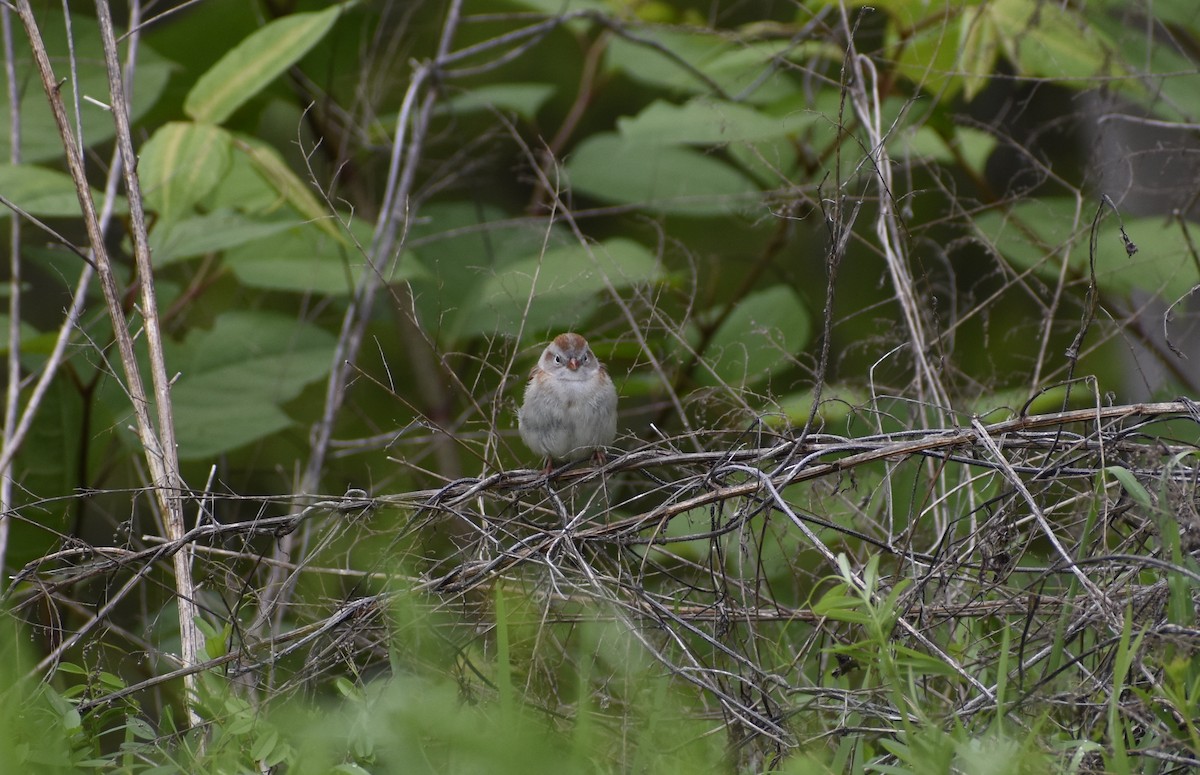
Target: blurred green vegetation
699 187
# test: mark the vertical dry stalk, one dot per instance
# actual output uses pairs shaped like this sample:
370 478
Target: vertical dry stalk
158 442
868 107
384 253
13 394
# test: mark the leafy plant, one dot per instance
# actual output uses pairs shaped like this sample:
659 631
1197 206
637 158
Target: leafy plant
895 489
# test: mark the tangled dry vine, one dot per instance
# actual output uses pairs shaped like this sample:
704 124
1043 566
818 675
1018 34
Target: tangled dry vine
706 557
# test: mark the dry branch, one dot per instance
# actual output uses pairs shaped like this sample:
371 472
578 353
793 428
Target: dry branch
620 563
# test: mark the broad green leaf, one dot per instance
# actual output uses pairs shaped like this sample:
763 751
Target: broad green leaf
243 189
952 55
54 438
793 409
265 742
40 140
943 53
306 260
44 193
1166 84
1036 234
1050 41
181 163
287 185
670 180
556 7
257 353
972 146
463 244
907 12
757 340
254 62
262 359
29 335
560 287
703 62
771 162
209 424
708 121
172 241
140 728
1183 13
524 99
1001 405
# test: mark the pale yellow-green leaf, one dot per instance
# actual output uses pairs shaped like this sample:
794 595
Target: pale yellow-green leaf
180 163
254 62
290 188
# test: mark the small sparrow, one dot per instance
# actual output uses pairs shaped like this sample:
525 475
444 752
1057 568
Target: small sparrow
570 409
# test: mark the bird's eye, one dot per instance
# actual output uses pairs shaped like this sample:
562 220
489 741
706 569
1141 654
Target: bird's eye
558 359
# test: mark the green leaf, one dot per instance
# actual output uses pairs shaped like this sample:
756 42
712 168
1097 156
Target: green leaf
1131 485
708 121
261 358
792 410
524 99
944 58
44 193
254 62
305 259
945 54
837 605
215 645
264 744
287 185
259 353
1051 41
771 162
555 7
31 342
460 257
111 681
72 720
39 133
208 423
757 339
694 62
669 180
920 663
971 146
140 728
560 288
1037 234
181 163
172 241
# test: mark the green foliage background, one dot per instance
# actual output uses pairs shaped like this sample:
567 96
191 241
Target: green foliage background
734 201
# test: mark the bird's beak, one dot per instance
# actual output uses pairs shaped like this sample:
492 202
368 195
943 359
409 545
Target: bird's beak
573 364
